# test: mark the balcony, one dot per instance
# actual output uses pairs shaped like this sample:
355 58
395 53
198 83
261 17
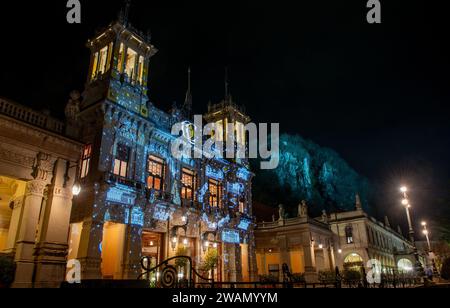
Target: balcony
29 116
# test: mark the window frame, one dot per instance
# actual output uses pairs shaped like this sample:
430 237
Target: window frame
152 159
123 163
86 158
216 196
185 188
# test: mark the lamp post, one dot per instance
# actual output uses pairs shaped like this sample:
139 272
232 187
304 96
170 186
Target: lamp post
427 235
407 205
430 252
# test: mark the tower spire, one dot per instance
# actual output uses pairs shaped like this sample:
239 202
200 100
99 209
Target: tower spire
227 85
188 101
125 13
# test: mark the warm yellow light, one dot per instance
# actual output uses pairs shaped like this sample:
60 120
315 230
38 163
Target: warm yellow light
76 189
320 246
174 240
405 202
424 223
215 245
185 241
206 244
404 189
425 232
340 251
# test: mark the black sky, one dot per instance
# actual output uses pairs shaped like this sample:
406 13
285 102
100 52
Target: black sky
377 94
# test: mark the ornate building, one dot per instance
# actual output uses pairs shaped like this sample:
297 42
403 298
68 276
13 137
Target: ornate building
137 199
347 240
37 172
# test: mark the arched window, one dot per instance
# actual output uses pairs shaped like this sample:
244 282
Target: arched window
353 262
405 266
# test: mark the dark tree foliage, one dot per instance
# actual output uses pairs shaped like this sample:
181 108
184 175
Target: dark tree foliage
309 172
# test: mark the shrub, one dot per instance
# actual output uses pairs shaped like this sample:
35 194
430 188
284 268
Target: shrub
325 276
181 252
268 279
7 271
211 260
445 271
351 275
298 278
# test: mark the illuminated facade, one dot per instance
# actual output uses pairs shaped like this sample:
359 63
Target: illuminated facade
347 240
37 173
137 200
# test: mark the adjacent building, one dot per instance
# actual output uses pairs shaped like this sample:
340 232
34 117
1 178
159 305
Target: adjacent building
347 240
38 168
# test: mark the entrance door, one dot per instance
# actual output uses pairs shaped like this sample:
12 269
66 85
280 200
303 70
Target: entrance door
153 247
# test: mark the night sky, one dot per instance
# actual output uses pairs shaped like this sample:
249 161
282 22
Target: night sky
377 94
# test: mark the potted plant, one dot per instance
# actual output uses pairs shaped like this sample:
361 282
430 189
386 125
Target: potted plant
211 260
7 271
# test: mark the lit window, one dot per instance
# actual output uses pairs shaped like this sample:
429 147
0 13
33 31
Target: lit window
130 63
188 183
103 59
121 161
94 66
156 170
86 161
141 70
349 234
121 58
215 193
240 133
242 207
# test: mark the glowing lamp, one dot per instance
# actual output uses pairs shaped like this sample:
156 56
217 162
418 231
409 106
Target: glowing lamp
339 251
185 242
320 246
215 245
424 224
404 189
76 189
405 202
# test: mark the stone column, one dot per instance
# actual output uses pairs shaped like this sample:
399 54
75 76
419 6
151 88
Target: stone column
326 259
311 274
51 247
252 263
24 258
133 252
89 253
285 257
234 270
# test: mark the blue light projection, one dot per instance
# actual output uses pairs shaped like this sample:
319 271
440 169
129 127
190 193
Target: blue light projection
244 224
214 173
137 217
162 213
235 188
243 174
231 237
224 221
202 192
118 195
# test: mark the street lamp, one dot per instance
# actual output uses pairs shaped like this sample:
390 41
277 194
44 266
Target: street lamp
76 189
427 235
407 205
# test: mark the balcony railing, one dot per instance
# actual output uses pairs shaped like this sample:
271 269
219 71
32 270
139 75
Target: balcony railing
30 116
